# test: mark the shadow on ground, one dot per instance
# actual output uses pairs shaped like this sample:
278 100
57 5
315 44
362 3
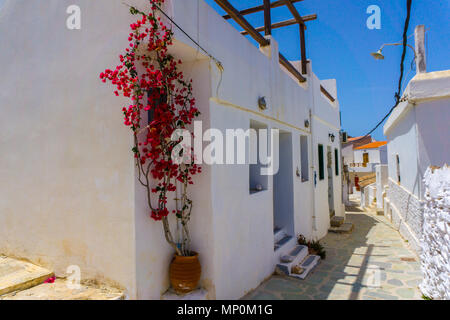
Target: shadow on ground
364 265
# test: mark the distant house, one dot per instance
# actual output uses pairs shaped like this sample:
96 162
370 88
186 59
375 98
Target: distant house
361 155
418 134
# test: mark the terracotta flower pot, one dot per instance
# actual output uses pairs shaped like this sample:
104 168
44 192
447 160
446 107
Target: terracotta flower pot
185 273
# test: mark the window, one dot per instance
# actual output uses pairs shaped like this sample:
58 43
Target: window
397 162
304 158
365 157
336 161
321 163
159 99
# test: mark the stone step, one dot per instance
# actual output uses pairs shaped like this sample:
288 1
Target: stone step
344 228
59 290
292 258
308 265
20 275
278 234
337 221
279 244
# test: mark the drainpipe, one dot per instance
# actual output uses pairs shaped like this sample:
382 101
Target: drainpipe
313 176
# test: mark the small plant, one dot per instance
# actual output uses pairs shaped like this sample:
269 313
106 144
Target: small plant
302 240
314 247
318 248
424 297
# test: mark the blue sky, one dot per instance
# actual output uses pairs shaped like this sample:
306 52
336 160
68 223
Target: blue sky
339 45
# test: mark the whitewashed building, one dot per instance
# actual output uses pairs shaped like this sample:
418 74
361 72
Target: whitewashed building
68 179
418 134
361 156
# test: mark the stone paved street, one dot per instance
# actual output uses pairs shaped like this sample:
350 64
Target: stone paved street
372 263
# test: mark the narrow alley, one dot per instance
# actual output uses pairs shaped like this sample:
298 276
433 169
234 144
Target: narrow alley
371 263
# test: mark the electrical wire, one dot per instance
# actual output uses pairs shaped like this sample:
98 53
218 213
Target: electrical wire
402 68
218 63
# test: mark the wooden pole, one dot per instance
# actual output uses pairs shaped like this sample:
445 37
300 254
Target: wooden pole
303 48
267 18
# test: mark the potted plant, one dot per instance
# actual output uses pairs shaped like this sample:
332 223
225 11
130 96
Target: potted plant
148 75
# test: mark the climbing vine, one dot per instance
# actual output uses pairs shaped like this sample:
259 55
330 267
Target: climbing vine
149 76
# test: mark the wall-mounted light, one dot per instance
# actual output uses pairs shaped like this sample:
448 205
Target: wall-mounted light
262 104
306 123
332 137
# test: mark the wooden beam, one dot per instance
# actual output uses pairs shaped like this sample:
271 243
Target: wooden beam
327 94
285 23
293 10
267 18
303 48
275 4
228 8
285 63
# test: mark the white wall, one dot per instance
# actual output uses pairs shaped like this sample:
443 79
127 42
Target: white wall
435 241
69 177
382 182
348 154
246 258
374 155
66 170
433 132
402 140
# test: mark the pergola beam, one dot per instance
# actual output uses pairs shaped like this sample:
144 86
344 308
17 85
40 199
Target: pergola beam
236 15
275 4
293 10
285 23
228 8
285 63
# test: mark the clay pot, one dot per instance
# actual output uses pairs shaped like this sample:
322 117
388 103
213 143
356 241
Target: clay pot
185 273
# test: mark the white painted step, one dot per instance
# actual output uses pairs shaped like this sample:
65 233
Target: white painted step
310 262
278 234
291 258
20 275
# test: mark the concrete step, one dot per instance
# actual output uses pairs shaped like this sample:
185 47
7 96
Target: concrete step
59 290
20 275
308 265
292 258
285 240
344 228
278 234
337 221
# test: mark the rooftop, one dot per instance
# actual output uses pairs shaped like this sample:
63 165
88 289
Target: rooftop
372 145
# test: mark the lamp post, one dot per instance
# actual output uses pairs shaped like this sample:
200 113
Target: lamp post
419 51
379 54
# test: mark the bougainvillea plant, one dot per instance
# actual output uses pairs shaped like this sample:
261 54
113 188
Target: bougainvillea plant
148 75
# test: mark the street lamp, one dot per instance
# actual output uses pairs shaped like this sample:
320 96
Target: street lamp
379 54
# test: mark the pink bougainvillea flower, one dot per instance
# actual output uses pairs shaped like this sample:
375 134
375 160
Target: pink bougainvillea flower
50 280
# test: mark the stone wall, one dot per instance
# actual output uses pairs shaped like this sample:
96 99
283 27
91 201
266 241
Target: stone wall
435 241
405 212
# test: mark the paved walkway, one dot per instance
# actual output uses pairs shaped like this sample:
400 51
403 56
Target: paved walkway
372 263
